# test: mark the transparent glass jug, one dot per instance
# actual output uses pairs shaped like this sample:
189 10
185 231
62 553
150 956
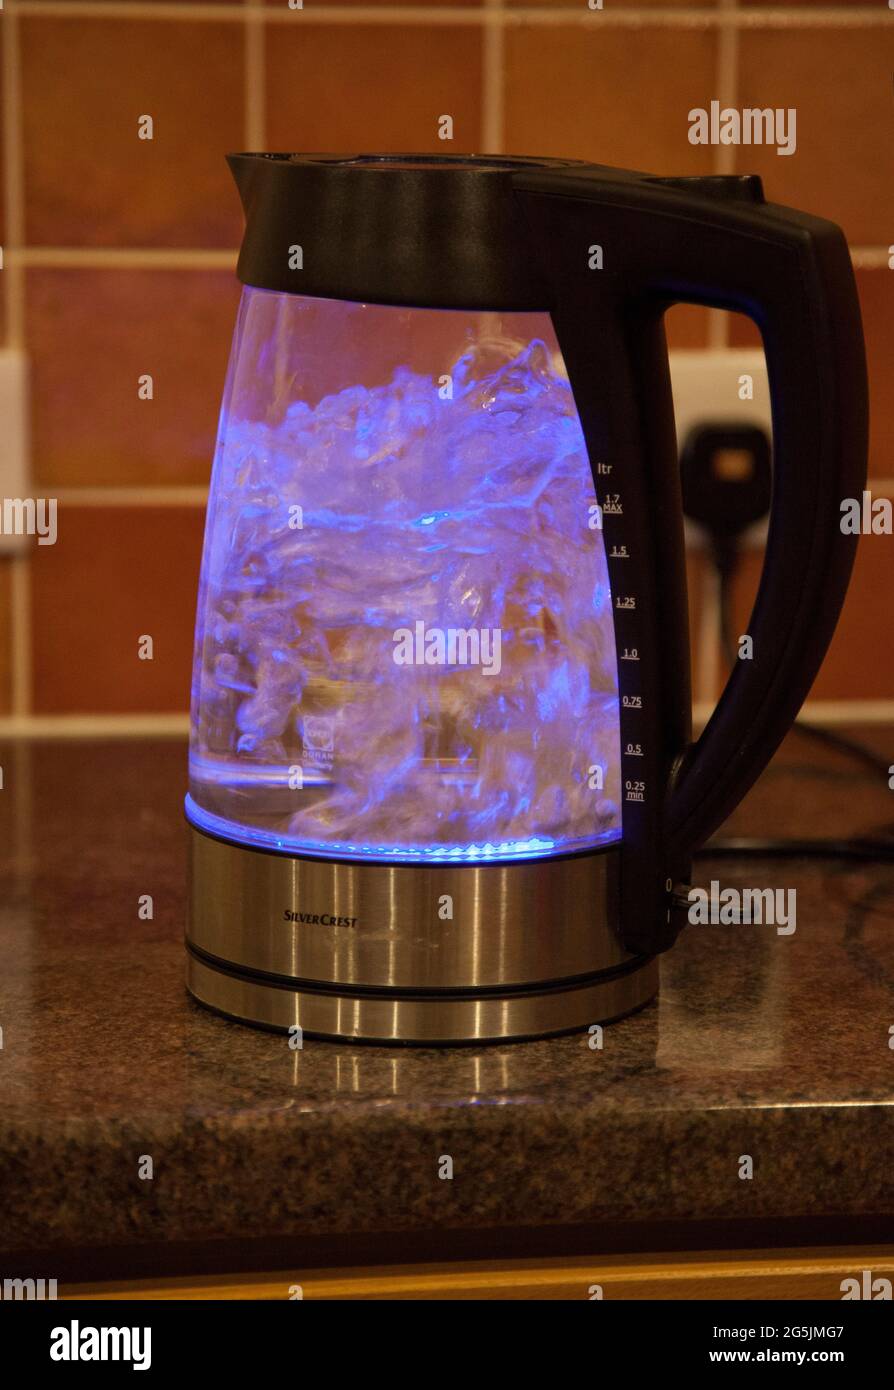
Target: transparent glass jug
442 651
405 647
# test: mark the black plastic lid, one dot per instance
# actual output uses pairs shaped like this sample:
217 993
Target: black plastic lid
415 229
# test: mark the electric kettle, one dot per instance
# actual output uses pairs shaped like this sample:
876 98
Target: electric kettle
442 786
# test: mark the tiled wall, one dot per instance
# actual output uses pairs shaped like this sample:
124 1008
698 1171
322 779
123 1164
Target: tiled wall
119 253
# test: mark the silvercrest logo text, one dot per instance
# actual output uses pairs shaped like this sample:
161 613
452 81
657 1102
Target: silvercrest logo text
318 919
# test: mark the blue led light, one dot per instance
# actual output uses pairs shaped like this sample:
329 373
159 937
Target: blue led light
535 847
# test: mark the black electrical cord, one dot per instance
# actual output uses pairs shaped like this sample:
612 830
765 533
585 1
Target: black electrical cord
872 849
866 850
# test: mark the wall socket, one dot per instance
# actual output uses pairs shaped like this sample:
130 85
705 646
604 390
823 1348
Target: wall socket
707 385
15 471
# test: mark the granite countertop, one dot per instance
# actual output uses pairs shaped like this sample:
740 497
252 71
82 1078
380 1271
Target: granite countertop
760 1044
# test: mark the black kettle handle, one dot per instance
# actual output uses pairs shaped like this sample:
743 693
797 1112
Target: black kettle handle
714 241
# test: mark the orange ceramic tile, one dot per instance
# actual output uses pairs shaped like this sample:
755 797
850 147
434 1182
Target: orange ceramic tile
860 664
744 332
613 95
5 635
838 80
90 181
860 661
92 334
836 4
686 326
114 576
876 289
2 150
373 87
284 5
609 5
169 2
877 302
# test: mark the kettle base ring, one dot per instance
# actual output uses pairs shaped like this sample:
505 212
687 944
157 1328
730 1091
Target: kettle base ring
410 953
418 1020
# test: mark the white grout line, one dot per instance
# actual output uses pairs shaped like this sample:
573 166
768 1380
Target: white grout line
276 14
14 289
122 258
849 16
175 725
727 85
13 183
176 496
189 495
871 257
185 258
20 634
824 711
784 17
724 156
124 9
718 329
492 76
255 115
638 16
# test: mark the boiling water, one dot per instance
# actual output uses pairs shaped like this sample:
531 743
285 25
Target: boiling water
349 540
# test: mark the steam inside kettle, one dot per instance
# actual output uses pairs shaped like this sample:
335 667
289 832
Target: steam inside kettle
405 645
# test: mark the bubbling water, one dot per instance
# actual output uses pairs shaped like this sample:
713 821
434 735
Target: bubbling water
391 509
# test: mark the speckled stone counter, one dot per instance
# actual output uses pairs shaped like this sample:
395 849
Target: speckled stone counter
773 1046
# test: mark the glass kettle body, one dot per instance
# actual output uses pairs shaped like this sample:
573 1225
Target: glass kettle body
405 604
441 785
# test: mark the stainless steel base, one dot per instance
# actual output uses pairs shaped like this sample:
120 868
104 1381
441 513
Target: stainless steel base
409 953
